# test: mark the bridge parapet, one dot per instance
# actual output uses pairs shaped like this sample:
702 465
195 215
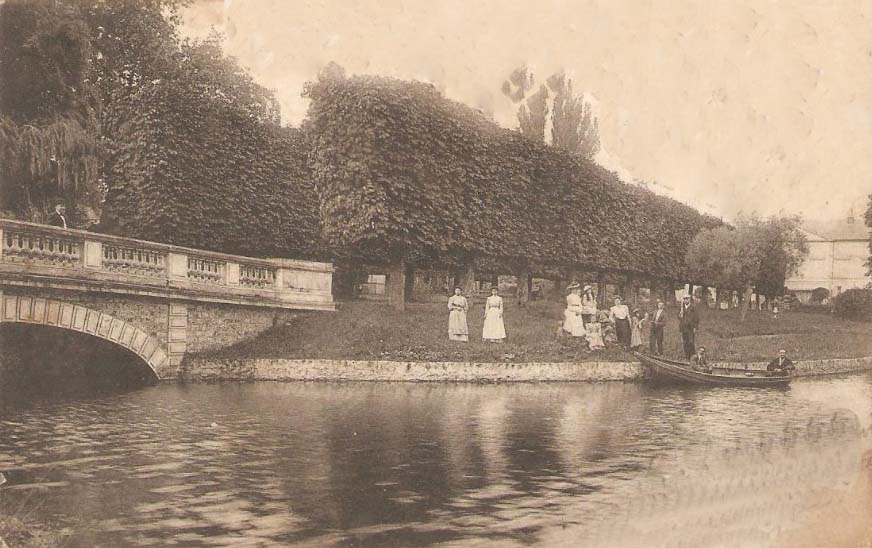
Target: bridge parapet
46 256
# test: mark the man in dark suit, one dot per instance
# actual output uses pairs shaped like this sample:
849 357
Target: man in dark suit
699 362
59 217
658 322
688 321
780 366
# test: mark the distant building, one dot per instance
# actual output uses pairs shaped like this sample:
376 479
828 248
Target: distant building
838 251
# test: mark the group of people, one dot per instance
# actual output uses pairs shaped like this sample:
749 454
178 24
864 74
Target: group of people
581 319
781 366
494 330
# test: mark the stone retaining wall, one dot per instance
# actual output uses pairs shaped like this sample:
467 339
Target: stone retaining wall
208 369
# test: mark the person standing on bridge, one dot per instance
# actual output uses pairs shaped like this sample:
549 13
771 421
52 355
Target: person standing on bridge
59 217
458 330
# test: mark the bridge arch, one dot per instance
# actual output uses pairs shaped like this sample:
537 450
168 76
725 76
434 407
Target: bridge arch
75 317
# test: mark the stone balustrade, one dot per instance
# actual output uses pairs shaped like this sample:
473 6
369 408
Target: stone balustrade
75 259
23 246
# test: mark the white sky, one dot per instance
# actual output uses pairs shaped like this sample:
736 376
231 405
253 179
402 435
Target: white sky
728 106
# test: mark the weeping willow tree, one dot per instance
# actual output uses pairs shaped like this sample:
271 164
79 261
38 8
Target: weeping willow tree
49 144
56 163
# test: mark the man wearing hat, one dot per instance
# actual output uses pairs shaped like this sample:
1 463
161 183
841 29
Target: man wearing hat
58 217
658 323
780 366
688 321
699 361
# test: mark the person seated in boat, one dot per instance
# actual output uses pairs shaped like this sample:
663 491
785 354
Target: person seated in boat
780 366
699 362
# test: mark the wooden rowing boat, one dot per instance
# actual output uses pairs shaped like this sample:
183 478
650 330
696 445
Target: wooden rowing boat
681 372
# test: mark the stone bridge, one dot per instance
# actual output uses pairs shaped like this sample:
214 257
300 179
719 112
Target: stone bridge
158 301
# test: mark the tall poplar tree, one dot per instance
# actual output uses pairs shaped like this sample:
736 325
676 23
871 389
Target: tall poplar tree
574 127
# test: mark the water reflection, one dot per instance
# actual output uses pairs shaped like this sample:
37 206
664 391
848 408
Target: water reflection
398 465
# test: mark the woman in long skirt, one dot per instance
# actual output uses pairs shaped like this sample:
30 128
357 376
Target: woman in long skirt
620 316
457 327
494 329
572 320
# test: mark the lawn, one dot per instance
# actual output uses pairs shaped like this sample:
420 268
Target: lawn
362 330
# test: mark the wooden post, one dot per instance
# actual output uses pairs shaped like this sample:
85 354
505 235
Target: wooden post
468 283
522 274
559 290
409 287
396 284
627 290
601 290
745 297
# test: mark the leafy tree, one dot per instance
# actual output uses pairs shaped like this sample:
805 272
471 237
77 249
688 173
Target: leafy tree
103 100
404 175
726 258
818 294
573 125
198 159
784 249
755 254
49 148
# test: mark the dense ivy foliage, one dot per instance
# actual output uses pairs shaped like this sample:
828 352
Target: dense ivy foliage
198 160
399 168
105 100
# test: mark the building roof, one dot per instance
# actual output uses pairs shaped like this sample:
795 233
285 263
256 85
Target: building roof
839 229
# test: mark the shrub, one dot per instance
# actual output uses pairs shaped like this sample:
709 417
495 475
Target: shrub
855 304
819 294
812 308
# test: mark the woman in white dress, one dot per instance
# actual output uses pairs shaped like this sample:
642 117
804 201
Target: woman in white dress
494 329
572 321
457 327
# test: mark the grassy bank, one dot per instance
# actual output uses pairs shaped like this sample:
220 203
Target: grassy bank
368 331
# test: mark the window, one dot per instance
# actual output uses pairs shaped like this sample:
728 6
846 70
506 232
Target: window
374 285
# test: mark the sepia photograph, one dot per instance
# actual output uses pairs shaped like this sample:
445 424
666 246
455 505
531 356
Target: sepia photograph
448 273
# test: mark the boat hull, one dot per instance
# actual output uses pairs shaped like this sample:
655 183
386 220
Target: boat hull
681 372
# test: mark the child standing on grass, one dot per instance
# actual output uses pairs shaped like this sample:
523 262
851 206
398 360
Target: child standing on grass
595 336
636 329
606 328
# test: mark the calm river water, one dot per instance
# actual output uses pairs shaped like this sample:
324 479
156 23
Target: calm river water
451 465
